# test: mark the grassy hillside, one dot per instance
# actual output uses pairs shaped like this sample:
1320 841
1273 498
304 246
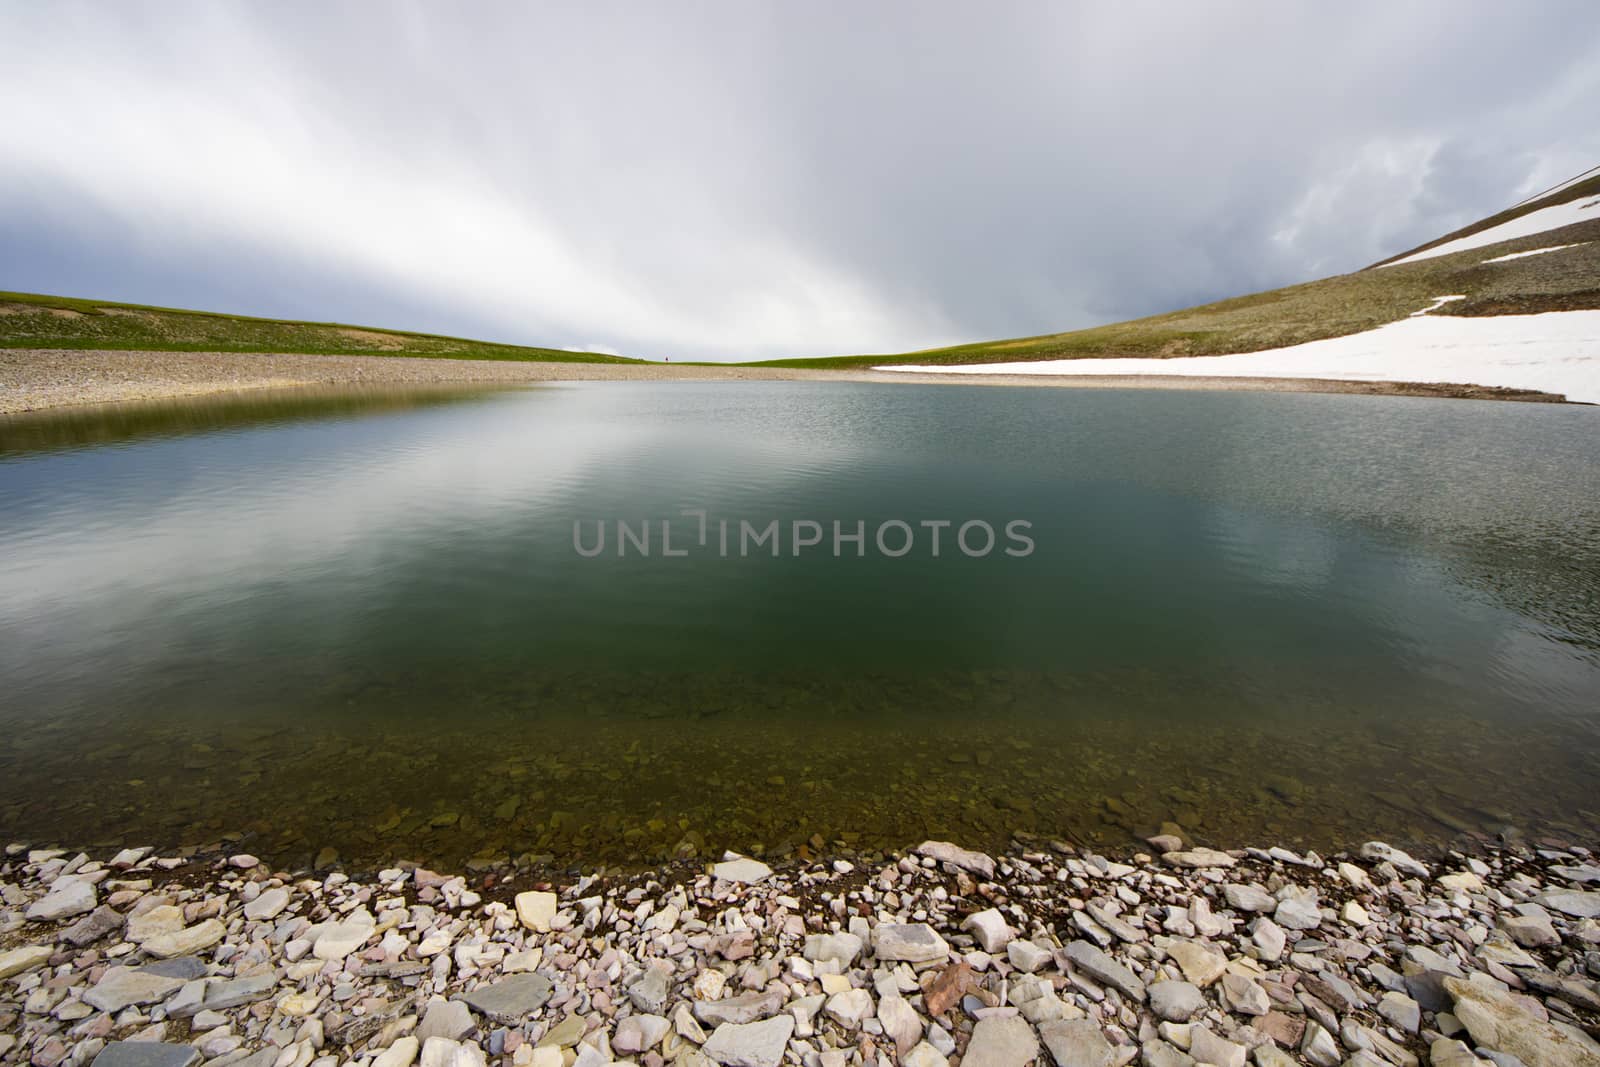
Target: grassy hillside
28 320
1348 303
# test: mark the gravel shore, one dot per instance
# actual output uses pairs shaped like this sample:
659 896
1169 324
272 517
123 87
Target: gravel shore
1045 955
35 379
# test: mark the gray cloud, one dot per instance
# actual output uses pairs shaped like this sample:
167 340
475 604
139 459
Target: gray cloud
738 181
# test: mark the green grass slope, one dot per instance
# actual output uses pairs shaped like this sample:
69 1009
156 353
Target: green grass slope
1349 303
28 320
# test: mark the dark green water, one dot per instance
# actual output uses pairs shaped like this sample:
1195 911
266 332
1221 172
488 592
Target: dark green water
361 623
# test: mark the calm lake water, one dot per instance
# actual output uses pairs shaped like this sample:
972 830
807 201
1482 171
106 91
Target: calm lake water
360 622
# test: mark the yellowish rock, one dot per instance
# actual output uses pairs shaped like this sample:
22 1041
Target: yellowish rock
536 909
299 1004
17 960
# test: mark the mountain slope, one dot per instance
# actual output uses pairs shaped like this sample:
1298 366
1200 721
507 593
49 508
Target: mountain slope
29 320
1563 279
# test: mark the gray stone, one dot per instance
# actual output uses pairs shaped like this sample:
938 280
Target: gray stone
1199 859
1158 1053
844 947
1244 996
650 990
1248 897
186 967
1530 931
68 897
1401 861
231 993
1270 1055
738 1010
1077 1043
510 1000
93 926
911 942
146 1054
1318 1047
756 1044
1026 956
1505 1022
1176 1002
564 1034
445 1018
1298 913
1102 968
1572 902
1584 874
1207 1047
189 1000
967 860
122 987
1574 991
1001 1042
1401 1011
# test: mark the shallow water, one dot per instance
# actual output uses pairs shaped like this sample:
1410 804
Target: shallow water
364 626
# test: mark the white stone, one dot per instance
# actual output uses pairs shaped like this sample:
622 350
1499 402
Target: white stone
758 1044
911 942
68 897
901 1022
186 942
269 905
741 869
1400 860
400 1054
990 929
639 1033
1001 1042
850 1008
336 940
1026 956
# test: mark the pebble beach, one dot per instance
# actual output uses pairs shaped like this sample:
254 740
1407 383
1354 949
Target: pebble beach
1044 955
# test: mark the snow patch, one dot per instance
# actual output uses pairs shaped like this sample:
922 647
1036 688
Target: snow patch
1555 352
1583 209
1535 252
1438 302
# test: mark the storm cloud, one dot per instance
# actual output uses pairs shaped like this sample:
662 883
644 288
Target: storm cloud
743 181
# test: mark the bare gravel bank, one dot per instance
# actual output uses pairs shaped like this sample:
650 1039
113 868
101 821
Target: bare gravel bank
34 379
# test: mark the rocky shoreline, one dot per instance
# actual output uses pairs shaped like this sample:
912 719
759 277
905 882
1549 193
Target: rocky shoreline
1047 954
35 379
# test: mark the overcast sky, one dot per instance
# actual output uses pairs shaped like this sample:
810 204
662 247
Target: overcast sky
741 180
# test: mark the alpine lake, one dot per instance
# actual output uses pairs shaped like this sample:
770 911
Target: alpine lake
357 627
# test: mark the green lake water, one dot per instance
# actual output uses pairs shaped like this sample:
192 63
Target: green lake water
360 622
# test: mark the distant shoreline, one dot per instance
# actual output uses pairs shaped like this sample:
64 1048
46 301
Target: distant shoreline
46 379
